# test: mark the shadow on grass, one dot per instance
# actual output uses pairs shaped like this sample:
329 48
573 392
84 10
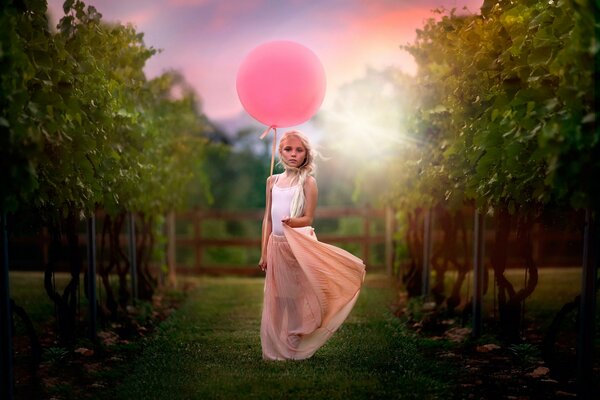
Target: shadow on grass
210 349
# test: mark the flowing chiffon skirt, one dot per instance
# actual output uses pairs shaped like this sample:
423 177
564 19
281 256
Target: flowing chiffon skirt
310 288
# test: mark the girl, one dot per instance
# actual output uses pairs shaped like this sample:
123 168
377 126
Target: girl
310 287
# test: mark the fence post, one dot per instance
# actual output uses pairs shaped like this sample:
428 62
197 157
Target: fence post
427 222
536 239
45 245
171 250
91 273
389 242
587 310
197 238
6 369
366 233
132 257
478 268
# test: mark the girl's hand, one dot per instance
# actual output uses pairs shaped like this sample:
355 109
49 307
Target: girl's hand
262 264
286 220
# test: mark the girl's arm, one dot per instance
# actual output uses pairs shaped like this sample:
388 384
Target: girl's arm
311 194
267 227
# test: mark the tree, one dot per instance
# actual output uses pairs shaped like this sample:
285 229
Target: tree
83 129
506 110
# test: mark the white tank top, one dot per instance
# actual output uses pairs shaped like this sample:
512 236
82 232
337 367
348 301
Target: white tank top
281 200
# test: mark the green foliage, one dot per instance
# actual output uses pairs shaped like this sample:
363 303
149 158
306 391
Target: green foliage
81 125
172 154
21 37
82 129
241 172
55 355
525 353
505 107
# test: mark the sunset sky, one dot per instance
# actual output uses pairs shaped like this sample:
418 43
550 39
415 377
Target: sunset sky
208 39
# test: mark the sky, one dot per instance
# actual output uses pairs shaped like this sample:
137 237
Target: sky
207 40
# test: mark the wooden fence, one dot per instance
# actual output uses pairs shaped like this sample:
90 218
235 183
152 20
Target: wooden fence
189 234
200 239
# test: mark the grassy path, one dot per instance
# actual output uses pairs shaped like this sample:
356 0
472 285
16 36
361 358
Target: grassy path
210 349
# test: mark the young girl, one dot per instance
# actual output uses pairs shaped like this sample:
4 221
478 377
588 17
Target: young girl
310 287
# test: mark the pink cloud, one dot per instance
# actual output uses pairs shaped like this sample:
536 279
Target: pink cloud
373 37
143 17
347 43
187 3
227 13
346 40
207 39
367 39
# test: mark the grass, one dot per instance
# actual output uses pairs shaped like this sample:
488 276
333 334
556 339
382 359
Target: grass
210 349
555 287
27 289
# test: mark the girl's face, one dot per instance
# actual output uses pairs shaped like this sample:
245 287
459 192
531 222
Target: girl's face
293 152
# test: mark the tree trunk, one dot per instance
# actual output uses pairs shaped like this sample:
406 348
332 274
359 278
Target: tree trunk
144 246
121 260
510 302
441 257
34 342
105 267
559 366
66 304
414 239
509 316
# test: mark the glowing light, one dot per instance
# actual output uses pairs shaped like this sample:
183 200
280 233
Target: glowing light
368 118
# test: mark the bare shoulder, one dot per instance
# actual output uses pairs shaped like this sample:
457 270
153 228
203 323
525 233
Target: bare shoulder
270 180
310 182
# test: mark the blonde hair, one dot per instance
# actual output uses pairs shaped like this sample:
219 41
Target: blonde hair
301 172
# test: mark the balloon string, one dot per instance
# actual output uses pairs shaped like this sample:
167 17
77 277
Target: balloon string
268 205
265 133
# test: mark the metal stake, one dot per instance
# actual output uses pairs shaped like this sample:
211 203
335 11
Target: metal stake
587 310
426 253
132 249
6 369
478 242
91 273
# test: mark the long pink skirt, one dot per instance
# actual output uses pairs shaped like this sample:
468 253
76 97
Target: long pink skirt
310 288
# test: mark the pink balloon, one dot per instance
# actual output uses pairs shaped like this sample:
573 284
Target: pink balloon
281 83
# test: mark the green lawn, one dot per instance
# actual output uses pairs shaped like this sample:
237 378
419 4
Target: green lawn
555 287
27 290
210 349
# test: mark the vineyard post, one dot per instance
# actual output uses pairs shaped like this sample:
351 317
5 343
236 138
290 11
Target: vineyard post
197 240
171 249
132 257
426 252
389 241
585 338
91 273
6 319
478 268
366 233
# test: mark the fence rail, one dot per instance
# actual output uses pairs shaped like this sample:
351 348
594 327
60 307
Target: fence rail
198 241
551 247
